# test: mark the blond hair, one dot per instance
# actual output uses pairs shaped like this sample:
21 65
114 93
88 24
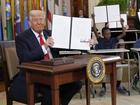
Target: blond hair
36 13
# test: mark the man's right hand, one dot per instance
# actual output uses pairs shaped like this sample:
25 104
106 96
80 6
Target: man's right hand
93 17
122 21
49 42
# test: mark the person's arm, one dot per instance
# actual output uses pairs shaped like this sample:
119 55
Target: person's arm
94 26
123 30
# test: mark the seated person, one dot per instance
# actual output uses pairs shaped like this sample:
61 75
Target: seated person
32 45
108 42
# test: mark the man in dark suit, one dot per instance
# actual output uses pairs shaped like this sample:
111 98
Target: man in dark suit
29 48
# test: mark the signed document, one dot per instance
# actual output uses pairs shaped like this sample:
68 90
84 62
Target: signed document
71 32
80 33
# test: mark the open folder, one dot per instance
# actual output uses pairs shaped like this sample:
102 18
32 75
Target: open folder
71 32
109 13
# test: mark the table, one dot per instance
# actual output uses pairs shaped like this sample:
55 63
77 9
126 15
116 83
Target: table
66 73
137 51
127 31
103 51
70 52
117 50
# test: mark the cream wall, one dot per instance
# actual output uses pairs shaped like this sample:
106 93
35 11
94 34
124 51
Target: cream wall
91 4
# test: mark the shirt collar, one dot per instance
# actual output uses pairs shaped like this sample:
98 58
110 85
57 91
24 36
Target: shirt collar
36 34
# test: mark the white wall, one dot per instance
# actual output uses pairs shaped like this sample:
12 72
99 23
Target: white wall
91 4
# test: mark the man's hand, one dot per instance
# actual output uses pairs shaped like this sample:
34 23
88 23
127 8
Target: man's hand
93 18
94 26
93 41
123 30
122 21
49 42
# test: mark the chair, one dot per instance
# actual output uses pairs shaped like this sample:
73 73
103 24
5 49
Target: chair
9 66
136 53
126 64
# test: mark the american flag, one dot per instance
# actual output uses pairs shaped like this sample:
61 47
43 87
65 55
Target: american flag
1 33
26 25
49 14
134 3
41 4
64 8
9 26
57 9
17 17
34 4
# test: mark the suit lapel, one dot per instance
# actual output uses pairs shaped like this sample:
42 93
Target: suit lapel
45 35
33 38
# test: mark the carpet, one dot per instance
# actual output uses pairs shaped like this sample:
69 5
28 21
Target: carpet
121 100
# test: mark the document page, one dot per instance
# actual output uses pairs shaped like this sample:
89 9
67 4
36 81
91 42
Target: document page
112 24
139 15
81 33
118 23
113 13
61 31
124 17
100 14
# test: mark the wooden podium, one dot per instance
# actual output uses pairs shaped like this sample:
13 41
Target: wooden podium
63 74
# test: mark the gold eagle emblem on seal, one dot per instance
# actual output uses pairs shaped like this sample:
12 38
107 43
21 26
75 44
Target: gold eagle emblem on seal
95 69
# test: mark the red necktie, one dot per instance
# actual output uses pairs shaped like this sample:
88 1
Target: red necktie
46 57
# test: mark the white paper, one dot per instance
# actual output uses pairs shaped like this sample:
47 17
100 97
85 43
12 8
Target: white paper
61 31
124 17
139 15
100 14
118 23
81 33
112 24
113 13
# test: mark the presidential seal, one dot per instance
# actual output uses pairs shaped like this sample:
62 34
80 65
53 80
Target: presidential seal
95 69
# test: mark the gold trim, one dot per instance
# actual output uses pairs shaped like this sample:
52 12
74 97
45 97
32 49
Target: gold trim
97 78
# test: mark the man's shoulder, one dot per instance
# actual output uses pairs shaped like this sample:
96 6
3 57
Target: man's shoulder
24 34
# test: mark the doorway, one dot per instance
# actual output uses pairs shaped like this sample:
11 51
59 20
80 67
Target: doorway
77 5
